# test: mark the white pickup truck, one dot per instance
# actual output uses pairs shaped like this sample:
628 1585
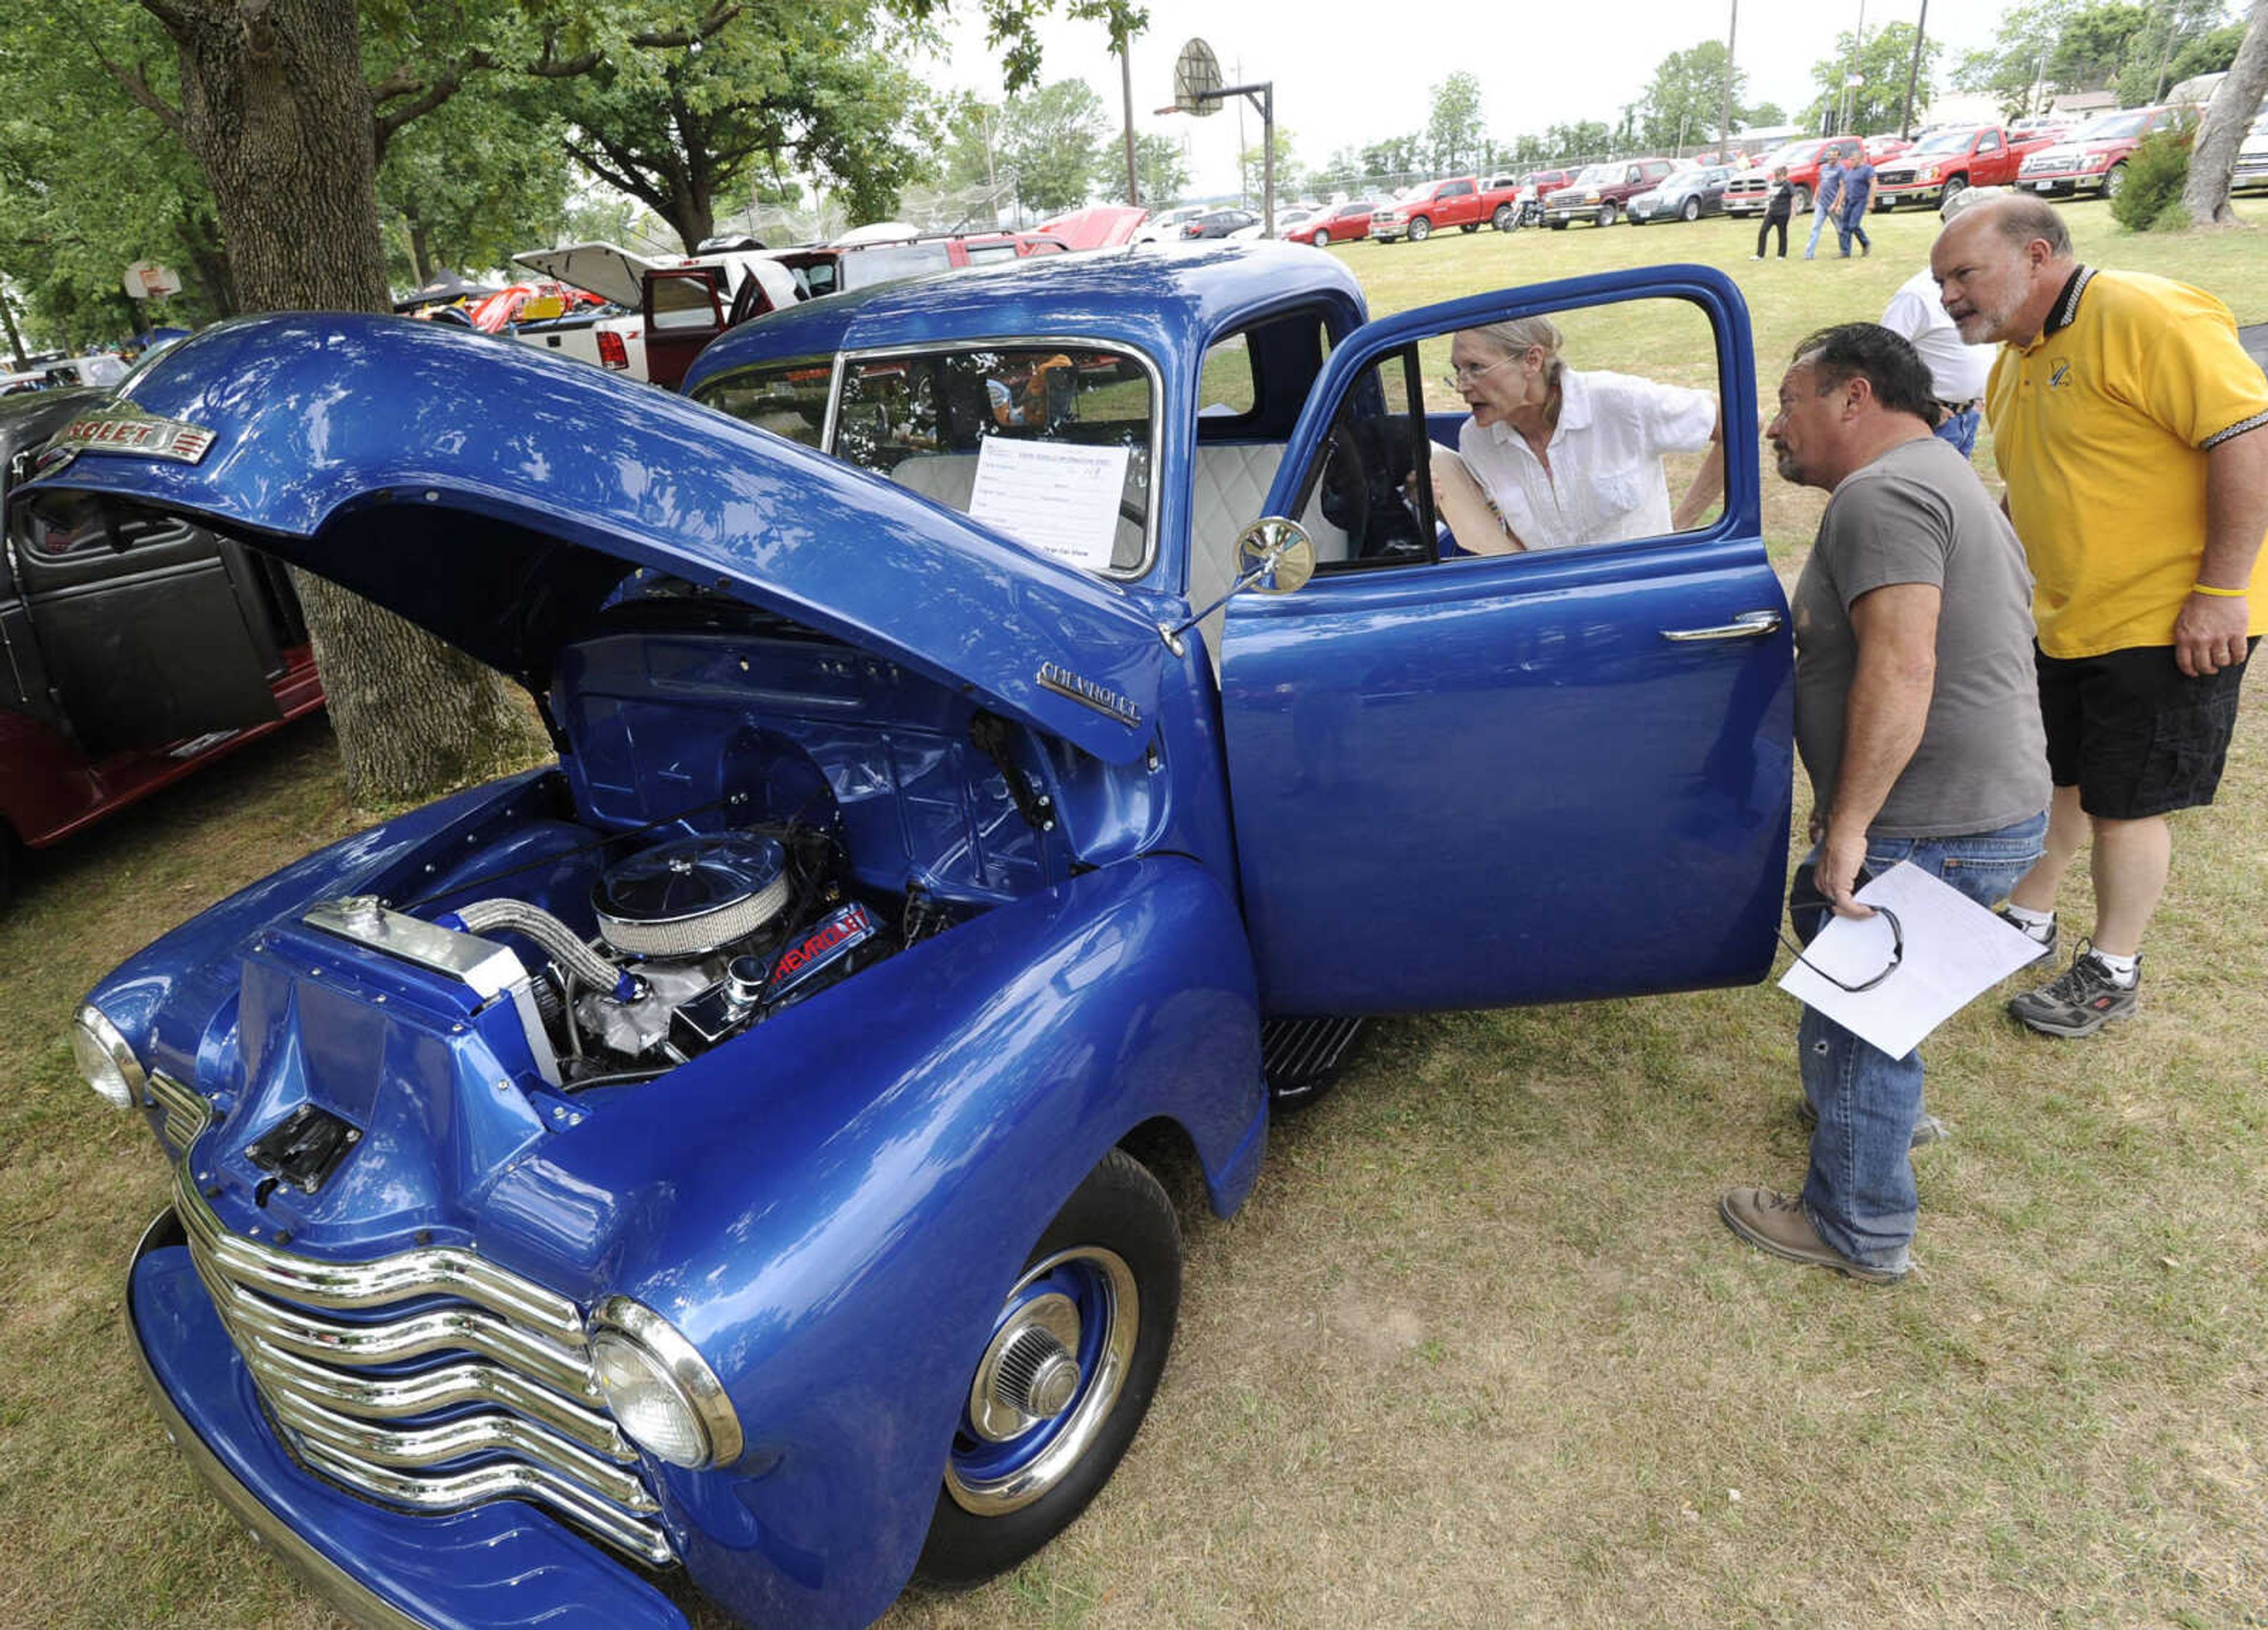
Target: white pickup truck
680 304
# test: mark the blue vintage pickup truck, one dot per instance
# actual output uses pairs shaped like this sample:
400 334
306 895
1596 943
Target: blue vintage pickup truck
982 705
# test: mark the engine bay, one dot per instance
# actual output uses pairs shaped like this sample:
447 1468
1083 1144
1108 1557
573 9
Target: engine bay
700 939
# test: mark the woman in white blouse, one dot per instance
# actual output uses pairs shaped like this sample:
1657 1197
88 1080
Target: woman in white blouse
1553 455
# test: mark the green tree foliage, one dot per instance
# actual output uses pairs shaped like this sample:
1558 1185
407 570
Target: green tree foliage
470 184
1341 172
1053 138
1457 130
1289 176
2150 201
1159 166
2210 53
1395 160
1687 97
91 181
1882 63
822 87
1576 144
1762 117
2048 47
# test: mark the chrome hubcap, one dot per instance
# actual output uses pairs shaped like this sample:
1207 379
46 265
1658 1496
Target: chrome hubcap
1027 1374
1047 1381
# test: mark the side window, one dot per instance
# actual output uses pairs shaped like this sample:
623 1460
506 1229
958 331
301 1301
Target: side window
1590 427
1988 144
787 399
1227 388
74 525
682 303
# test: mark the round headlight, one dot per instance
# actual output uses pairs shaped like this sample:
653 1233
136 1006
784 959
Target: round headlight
662 1394
105 1059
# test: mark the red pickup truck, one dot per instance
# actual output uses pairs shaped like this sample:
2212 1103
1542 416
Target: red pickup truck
1947 161
1460 202
2093 157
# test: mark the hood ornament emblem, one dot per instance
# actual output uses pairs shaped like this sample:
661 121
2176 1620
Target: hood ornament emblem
122 427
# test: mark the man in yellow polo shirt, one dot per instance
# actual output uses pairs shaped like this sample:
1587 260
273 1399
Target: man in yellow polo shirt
2132 431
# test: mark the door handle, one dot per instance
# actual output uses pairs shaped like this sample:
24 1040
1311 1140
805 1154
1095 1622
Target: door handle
1747 626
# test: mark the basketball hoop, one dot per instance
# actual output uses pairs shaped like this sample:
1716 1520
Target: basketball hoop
1196 80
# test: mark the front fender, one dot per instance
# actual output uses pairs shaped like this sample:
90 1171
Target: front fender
832 1208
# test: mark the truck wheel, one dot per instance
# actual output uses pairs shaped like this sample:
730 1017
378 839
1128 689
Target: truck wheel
1322 239
1954 186
1420 229
1802 199
1063 1379
1505 217
1690 211
2115 182
1605 215
1559 224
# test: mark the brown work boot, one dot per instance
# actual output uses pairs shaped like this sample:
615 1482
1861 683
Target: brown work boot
1778 1223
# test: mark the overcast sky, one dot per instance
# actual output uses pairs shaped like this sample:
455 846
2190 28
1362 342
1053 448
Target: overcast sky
1353 73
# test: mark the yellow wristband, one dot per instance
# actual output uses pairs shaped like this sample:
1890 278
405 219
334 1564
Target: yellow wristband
2218 593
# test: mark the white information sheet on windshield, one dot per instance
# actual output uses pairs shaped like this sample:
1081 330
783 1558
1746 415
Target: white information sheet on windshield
1060 498
1955 950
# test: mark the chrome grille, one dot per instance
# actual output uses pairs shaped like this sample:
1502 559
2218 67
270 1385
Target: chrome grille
451 1383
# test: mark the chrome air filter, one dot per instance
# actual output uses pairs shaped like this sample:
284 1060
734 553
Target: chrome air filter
693 896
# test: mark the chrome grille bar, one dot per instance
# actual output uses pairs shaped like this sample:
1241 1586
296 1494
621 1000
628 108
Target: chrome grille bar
509 1387
504 1480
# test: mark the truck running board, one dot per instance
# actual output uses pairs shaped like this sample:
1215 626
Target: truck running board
1300 1056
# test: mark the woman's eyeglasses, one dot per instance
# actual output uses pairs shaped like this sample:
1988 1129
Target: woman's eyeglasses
1463 373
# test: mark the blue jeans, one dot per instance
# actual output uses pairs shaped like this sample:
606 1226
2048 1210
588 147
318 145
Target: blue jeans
1960 429
1820 215
1860 1192
1853 224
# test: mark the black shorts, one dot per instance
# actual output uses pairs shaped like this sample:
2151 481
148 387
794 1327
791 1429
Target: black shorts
2136 736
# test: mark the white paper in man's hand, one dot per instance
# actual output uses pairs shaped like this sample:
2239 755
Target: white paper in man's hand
1060 499
1955 950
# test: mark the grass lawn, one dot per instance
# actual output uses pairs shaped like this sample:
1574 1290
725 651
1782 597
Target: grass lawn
1477 1352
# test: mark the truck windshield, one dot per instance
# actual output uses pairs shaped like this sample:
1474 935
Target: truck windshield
1072 427
1945 142
2112 125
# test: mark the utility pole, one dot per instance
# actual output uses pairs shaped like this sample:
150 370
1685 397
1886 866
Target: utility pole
1725 106
2166 56
1913 72
1126 92
1846 111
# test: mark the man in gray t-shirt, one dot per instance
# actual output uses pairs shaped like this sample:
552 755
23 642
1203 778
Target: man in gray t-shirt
1916 714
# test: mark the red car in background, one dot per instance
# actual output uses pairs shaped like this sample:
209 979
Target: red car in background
2093 158
1341 224
136 650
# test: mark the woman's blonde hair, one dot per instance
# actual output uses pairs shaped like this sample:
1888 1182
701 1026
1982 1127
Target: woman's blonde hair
1522 334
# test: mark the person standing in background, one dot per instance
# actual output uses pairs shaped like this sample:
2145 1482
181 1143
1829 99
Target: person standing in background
1858 191
1827 199
1779 205
1956 368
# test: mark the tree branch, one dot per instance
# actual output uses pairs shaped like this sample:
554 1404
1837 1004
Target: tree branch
621 178
134 81
664 39
400 84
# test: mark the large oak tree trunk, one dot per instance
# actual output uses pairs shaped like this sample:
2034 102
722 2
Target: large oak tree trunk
276 112
2213 160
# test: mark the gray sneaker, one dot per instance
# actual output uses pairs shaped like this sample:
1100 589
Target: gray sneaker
2080 1000
1775 1222
1927 1129
2046 933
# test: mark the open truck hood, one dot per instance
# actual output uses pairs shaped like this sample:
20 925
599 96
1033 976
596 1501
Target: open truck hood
497 496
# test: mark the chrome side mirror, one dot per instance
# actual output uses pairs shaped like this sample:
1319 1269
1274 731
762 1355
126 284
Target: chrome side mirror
1273 557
